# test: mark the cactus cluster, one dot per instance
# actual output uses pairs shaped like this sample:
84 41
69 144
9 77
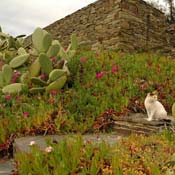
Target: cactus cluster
6 74
49 59
173 110
55 71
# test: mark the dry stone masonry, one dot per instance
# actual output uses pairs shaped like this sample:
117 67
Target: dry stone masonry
128 25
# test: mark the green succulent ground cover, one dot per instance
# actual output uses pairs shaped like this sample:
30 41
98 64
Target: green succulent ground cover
101 82
98 82
136 155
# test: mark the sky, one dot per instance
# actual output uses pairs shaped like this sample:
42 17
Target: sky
23 16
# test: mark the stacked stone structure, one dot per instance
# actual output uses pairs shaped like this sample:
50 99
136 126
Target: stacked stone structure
128 25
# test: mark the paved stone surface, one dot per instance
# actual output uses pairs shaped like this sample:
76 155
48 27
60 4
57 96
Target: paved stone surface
22 144
6 167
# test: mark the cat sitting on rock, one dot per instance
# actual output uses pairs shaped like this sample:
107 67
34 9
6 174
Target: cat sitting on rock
155 110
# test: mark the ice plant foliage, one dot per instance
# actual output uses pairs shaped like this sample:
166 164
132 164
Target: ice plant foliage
83 60
121 54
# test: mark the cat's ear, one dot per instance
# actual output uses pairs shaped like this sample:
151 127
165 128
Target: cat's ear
155 92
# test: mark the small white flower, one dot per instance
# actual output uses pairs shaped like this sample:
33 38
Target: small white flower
49 149
32 143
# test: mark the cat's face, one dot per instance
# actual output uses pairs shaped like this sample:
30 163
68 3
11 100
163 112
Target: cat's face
152 97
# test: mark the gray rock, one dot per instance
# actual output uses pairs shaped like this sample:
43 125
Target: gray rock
23 144
6 167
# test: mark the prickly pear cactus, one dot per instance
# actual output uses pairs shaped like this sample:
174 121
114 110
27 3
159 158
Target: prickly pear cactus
55 74
38 81
53 50
41 40
36 90
173 110
35 68
19 60
57 85
7 74
13 88
74 42
21 51
45 63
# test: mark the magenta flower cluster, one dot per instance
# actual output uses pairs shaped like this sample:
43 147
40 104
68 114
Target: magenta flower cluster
113 70
15 76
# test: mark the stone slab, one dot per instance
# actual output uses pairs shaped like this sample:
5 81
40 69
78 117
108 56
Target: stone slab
23 144
138 123
6 167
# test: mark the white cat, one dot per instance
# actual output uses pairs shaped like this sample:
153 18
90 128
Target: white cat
155 110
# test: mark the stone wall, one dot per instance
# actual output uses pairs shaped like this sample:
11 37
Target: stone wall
142 26
96 24
129 25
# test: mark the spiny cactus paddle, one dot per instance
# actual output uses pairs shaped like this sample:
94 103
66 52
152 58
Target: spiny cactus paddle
53 50
41 40
36 90
13 88
56 85
173 110
7 74
1 79
45 63
19 60
21 51
35 68
38 81
55 74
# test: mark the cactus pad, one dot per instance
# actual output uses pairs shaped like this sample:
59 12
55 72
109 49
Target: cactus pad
35 68
45 63
21 51
56 85
173 110
38 81
55 74
53 50
7 74
37 90
18 61
13 88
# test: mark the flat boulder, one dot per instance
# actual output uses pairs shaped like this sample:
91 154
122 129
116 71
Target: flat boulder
23 144
138 123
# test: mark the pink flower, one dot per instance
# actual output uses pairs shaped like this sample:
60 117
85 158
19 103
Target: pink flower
43 76
16 74
8 96
32 143
51 100
121 54
14 79
83 60
48 149
114 68
1 64
54 59
18 98
100 75
53 92
25 114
